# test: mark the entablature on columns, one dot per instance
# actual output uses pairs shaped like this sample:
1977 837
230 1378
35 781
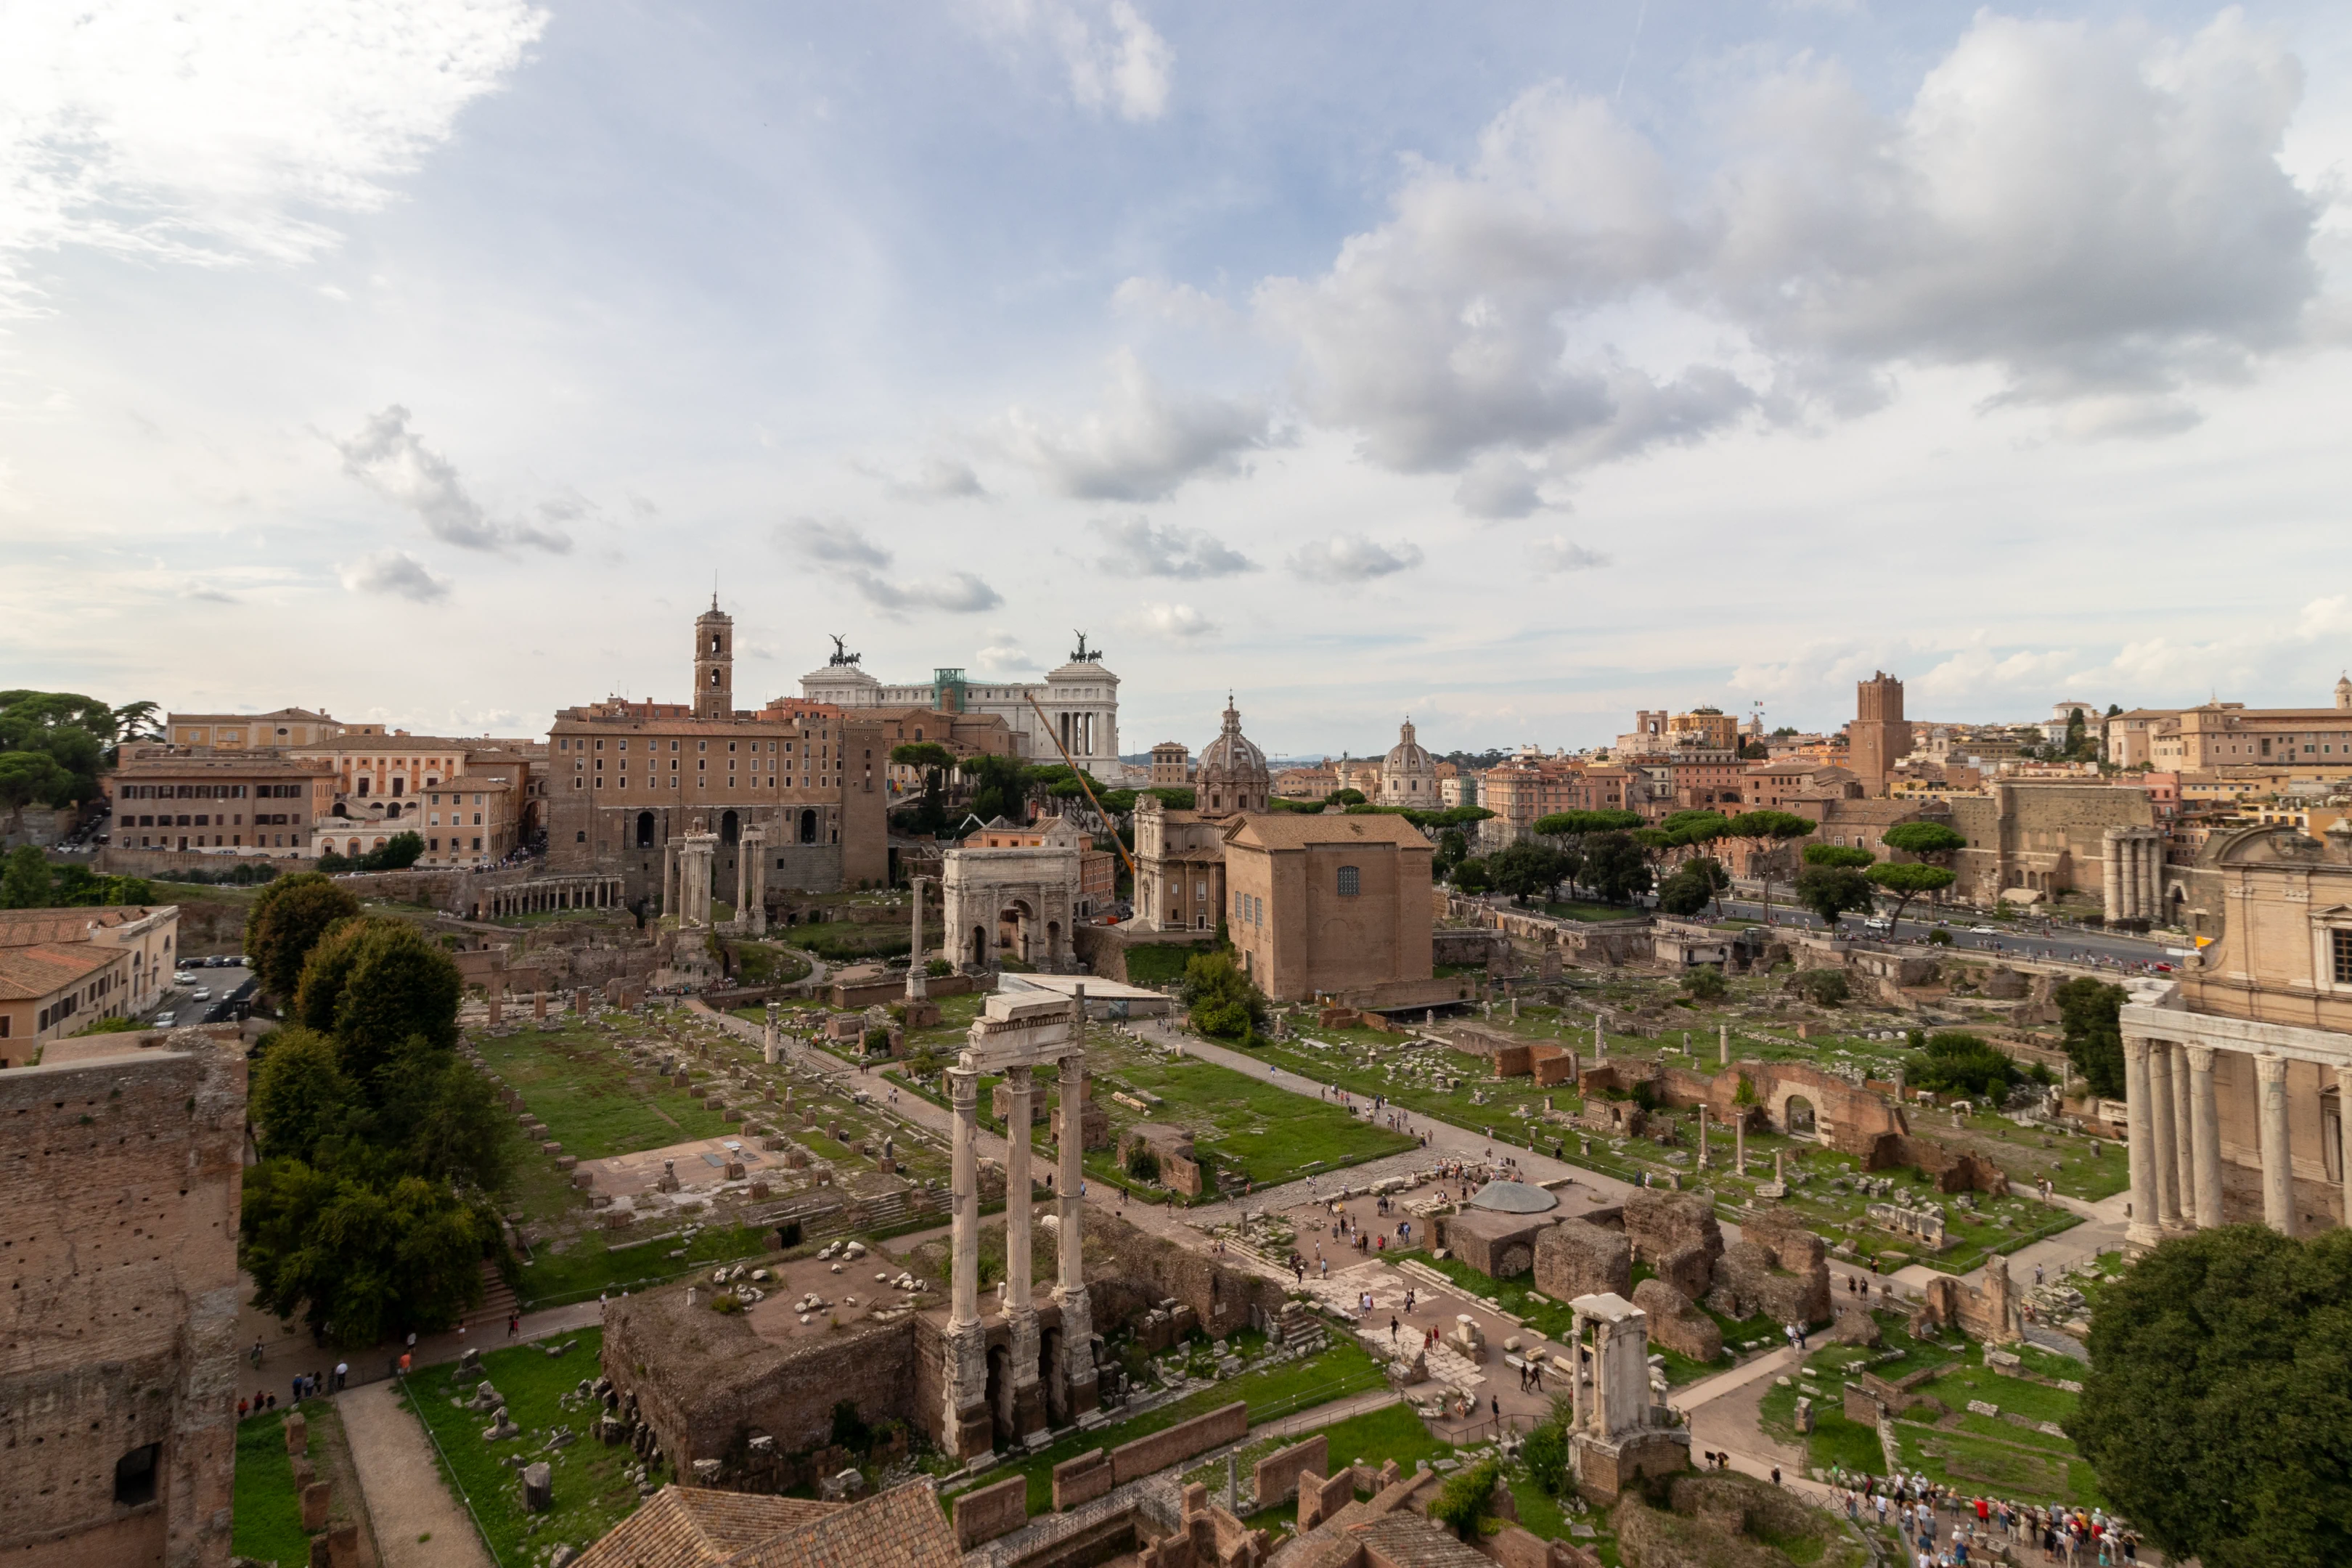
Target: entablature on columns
2323 1047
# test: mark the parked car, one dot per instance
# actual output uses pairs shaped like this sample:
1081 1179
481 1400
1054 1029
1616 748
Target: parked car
201 994
182 977
165 1020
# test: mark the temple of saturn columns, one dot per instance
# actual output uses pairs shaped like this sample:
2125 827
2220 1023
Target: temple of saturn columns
1027 1365
2132 876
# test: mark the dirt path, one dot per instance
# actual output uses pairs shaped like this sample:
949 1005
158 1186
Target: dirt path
418 1524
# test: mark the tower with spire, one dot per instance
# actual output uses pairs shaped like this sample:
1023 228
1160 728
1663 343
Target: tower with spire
714 663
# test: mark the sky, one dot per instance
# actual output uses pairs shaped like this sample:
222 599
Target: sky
1508 366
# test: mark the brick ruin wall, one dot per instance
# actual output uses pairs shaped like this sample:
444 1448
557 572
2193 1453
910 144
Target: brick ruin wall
705 1383
1130 1270
121 1180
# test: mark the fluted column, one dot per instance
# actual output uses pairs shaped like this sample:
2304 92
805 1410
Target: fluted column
2344 1136
964 1180
2183 1151
1018 1087
2152 869
2111 875
2278 1163
2143 1231
1072 1274
2204 1138
669 878
1702 1136
2167 1161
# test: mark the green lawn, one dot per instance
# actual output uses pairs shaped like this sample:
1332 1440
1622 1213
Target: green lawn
1161 963
590 1096
1341 1369
268 1510
588 1267
592 1490
1580 909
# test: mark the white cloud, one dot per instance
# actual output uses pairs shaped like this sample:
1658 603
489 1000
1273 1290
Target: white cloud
1179 304
1176 623
1003 652
2096 216
1138 547
1140 445
393 460
218 132
1112 56
844 552
1352 558
1547 557
396 573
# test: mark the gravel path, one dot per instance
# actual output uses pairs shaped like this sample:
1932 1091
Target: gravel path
405 1496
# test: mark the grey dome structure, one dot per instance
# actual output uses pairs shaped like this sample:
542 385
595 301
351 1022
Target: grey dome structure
1514 1197
1232 776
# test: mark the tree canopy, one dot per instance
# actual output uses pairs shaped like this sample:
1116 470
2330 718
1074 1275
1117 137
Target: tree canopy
1530 870
76 734
286 922
1906 880
1830 891
1576 824
1615 867
2218 1410
1847 856
28 881
1952 1061
2090 1015
1692 886
1933 841
397 853
1767 830
1224 999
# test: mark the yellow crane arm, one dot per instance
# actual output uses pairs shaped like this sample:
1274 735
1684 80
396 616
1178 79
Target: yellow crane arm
1081 775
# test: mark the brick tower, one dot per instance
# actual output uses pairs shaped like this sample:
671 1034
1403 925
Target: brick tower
714 664
1880 736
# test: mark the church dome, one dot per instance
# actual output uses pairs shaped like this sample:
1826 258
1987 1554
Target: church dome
1408 774
1233 774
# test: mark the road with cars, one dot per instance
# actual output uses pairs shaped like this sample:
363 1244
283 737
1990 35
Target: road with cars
205 991
2051 941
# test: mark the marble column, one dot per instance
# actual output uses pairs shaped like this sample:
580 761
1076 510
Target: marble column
1723 1045
2143 1231
918 984
2167 1161
2111 875
2184 1153
1739 1143
2152 875
1018 1087
2204 1137
2344 1135
963 1098
1600 1046
1072 1273
2278 1160
669 878
769 1051
1702 1137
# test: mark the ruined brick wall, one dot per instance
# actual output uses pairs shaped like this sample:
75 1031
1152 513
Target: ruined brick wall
706 1381
991 1511
1081 1479
121 1179
1847 1119
1577 1257
1951 1170
1227 1424
1277 1476
1221 1297
1500 1245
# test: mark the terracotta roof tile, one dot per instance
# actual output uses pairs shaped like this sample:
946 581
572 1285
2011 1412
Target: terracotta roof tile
903 1527
28 973
693 1527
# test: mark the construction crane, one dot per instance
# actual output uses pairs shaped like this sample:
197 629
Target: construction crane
1080 773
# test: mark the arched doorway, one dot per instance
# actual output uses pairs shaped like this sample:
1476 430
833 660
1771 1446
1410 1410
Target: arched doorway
1797 1117
644 830
1000 1410
1051 1374
808 826
730 830
1054 942
1014 926
976 953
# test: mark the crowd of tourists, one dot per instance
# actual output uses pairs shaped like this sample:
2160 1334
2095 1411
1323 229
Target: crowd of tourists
1943 1528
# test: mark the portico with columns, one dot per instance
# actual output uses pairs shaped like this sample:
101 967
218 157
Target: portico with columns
1028 1366
2132 877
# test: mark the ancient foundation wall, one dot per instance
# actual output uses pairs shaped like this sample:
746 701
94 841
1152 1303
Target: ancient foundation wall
991 1511
1228 1423
1222 1298
1277 1476
121 1178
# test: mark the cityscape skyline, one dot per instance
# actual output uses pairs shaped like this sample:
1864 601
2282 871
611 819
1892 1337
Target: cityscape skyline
1418 365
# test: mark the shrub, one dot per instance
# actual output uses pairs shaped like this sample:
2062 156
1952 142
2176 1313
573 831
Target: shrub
1939 937
1953 1061
1142 1163
1467 1498
1546 1453
1824 987
1706 982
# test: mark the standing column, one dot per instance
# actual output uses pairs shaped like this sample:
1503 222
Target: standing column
1723 1045
1599 1044
963 1178
670 877
1071 1276
2278 1163
2204 1137
2143 1231
742 881
918 987
2151 867
2110 875
2344 1135
1018 1087
2184 1142
2168 1162
1702 1136
1739 1143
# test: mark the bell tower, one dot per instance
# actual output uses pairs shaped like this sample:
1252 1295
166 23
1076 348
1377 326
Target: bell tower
714 663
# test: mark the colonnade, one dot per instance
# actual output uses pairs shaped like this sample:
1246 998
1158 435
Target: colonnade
546 894
2132 876
687 863
2175 1137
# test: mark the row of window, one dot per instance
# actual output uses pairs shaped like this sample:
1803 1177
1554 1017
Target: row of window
435 845
210 791
456 819
456 800
565 743
207 819
235 840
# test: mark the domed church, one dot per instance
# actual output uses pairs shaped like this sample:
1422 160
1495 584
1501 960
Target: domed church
1233 775
1409 773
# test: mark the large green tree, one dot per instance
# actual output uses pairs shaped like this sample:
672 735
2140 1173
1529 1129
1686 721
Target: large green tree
374 985
1530 870
2090 1016
25 880
32 777
1906 880
286 922
2217 1411
999 786
1767 832
1614 865
362 1258
1830 891
1223 1000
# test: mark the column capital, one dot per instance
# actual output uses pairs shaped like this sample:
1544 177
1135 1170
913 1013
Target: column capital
2135 1048
2343 1076
2200 1057
2270 1069
963 1088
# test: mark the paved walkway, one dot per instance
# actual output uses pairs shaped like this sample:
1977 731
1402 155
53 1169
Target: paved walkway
418 1524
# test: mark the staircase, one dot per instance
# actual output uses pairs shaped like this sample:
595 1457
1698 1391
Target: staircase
498 1300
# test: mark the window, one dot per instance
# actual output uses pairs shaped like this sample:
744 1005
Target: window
134 1476
2342 940
1350 882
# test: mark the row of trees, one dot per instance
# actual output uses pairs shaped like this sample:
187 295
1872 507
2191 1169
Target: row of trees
370 1210
397 853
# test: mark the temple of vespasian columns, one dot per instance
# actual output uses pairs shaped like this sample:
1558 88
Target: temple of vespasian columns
1030 1364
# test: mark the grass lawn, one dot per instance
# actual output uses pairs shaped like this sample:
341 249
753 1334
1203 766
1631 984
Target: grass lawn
268 1510
1579 910
1161 963
2006 1465
1266 1131
588 1267
590 1098
1343 1370
849 941
592 1490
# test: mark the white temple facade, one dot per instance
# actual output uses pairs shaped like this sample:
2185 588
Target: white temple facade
1080 700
